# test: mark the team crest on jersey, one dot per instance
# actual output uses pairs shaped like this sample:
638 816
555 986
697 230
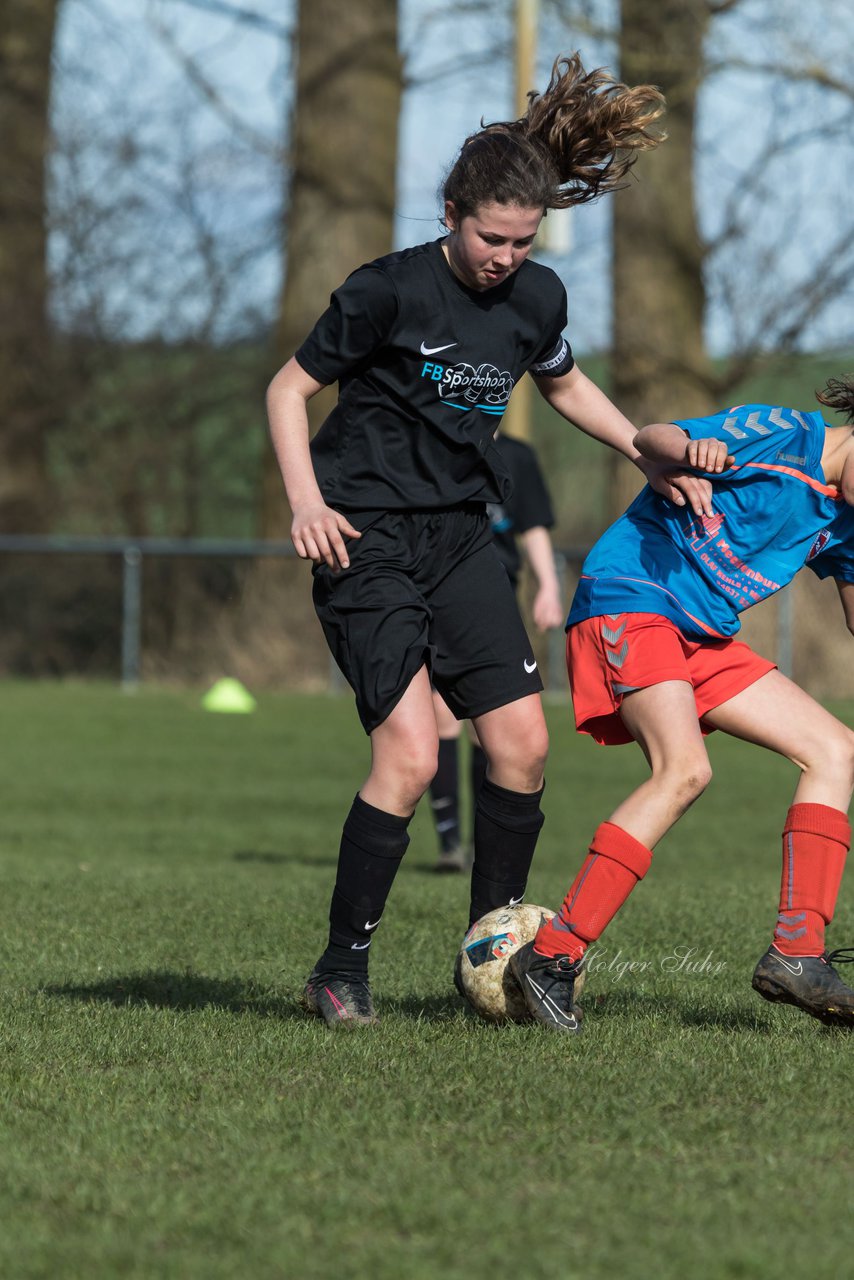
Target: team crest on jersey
819 544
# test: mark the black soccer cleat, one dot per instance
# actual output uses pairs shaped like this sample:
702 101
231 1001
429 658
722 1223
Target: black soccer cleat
808 982
341 1001
548 985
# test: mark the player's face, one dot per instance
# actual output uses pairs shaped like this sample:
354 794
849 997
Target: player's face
487 246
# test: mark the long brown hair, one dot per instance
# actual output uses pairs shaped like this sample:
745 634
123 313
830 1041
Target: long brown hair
576 141
838 394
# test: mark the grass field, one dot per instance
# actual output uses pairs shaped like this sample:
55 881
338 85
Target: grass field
167 1111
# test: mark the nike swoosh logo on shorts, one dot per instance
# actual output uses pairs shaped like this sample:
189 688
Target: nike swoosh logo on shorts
431 351
532 667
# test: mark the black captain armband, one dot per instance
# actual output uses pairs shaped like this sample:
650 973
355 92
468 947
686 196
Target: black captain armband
559 361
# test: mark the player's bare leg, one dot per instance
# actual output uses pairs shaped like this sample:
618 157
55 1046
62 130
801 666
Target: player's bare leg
404 751
663 720
775 713
516 742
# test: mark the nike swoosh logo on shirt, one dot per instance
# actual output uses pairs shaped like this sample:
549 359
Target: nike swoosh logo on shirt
431 351
532 667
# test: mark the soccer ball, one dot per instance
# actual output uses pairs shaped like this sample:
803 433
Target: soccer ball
485 975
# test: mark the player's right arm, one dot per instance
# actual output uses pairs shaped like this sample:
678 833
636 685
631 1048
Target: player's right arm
846 595
317 531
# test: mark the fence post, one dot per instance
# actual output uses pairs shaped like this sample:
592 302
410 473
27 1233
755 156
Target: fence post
131 617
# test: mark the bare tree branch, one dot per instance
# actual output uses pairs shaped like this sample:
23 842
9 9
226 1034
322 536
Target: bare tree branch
209 92
815 73
248 17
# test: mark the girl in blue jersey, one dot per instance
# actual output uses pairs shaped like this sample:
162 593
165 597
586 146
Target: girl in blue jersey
390 499
651 659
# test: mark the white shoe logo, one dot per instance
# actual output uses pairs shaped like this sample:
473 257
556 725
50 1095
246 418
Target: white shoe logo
359 946
431 351
514 902
532 667
553 1010
797 969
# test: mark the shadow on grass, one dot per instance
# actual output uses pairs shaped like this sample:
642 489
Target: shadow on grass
422 1008
282 859
702 1015
730 1019
185 991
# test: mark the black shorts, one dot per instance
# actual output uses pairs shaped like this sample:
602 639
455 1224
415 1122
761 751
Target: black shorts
425 587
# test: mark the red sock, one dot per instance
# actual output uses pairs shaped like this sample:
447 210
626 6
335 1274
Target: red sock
815 842
614 865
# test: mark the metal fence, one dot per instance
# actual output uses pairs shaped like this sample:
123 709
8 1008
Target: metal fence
133 550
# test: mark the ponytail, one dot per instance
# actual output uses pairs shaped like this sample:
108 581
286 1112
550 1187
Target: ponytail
838 394
576 141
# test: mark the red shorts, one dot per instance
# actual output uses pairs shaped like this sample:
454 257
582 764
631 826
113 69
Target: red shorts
615 654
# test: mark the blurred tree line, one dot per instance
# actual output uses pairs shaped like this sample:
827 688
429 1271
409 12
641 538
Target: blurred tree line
134 343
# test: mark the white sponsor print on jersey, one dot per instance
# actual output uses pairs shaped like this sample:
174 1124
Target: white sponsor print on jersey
486 384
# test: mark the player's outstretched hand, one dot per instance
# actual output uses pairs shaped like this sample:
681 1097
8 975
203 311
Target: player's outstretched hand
684 488
318 534
708 455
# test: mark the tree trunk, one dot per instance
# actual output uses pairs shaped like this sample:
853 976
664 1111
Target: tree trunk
28 396
661 369
342 181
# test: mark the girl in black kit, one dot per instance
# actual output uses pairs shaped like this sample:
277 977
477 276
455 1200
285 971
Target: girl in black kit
389 500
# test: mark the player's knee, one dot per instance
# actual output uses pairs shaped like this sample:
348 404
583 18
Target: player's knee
687 779
418 763
696 777
839 756
521 757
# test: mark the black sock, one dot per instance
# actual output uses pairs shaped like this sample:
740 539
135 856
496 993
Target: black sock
372 845
445 796
477 773
506 827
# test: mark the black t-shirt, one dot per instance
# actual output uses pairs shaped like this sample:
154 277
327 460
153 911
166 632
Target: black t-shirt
425 367
528 506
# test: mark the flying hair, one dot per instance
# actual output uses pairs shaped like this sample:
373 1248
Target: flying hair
577 141
838 394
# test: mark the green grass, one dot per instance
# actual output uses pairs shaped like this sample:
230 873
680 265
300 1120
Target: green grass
167 1111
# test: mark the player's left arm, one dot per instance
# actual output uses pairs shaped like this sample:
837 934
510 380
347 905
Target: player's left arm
846 595
582 403
665 442
547 610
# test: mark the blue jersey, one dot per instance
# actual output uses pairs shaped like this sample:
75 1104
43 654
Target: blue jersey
773 513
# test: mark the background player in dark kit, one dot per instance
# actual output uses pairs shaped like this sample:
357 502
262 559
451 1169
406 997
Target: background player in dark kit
525 518
651 658
389 500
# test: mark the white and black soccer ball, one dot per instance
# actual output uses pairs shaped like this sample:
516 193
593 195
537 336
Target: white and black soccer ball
485 975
